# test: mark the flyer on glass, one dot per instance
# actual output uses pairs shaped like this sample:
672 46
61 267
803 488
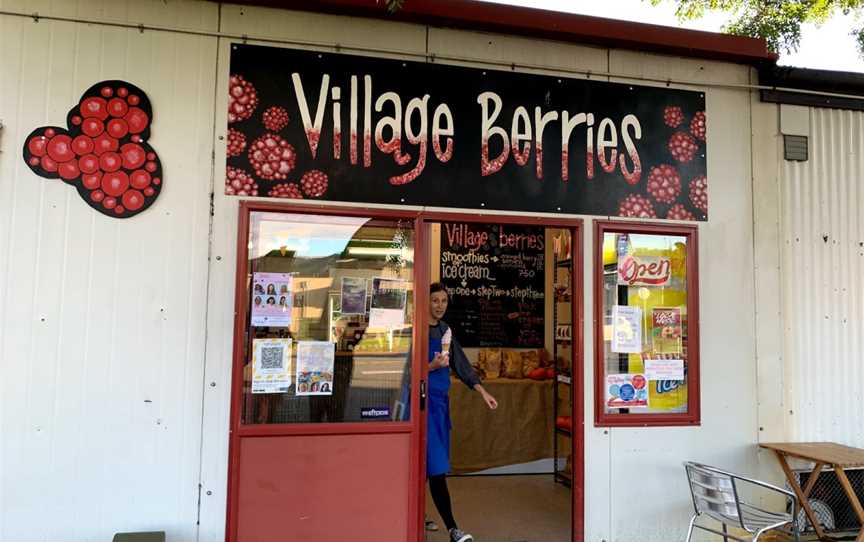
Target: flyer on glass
666 330
270 371
353 295
626 391
272 299
664 369
315 367
626 329
389 298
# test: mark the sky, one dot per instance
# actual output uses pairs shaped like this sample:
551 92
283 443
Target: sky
828 47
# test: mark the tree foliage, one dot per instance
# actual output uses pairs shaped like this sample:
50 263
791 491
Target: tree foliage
777 21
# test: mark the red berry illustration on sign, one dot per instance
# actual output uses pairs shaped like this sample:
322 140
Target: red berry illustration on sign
286 190
697 126
636 206
272 157
314 183
236 142
679 212
242 99
682 146
699 193
103 152
239 183
275 118
673 116
664 183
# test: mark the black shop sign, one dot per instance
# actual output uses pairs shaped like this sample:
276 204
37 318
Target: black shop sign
340 127
495 276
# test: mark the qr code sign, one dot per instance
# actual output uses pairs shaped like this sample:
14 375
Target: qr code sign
271 357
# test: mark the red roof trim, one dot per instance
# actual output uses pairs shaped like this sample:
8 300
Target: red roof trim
583 29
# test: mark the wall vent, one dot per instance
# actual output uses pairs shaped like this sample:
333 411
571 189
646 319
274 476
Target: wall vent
795 148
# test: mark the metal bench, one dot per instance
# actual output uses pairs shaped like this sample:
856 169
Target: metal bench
718 495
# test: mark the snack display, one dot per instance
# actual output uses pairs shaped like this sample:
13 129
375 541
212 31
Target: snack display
512 364
492 363
530 362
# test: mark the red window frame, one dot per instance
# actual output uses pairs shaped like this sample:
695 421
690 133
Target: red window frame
693 414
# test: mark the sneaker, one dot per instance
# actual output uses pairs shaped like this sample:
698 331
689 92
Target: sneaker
431 525
458 535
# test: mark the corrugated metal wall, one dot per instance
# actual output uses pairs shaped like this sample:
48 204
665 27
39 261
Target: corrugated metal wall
102 321
823 281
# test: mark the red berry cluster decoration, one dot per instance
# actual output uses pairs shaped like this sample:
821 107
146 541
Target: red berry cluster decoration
272 157
242 99
679 212
236 142
636 206
286 190
275 118
682 146
697 126
239 182
272 161
104 152
699 193
673 116
664 183
314 183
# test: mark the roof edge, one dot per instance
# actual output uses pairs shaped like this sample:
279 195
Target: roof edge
553 25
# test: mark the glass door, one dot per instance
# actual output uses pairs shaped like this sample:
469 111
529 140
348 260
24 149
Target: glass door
325 433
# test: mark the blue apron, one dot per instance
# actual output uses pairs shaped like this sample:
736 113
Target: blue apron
438 426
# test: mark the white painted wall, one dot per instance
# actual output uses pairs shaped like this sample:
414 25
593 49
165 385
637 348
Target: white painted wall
131 307
102 321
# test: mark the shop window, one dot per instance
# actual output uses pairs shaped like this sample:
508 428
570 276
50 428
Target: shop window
646 325
328 324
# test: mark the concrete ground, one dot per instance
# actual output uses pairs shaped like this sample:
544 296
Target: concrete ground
529 508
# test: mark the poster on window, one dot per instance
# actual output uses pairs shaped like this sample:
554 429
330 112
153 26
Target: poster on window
626 391
664 369
626 329
315 361
389 298
270 371
272 300
353 295
666 330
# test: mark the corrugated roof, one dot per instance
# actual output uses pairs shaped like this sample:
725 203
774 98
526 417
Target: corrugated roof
483 16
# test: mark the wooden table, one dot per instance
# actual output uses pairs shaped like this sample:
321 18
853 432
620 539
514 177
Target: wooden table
823 454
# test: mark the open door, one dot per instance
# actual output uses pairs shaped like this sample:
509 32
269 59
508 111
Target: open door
327 412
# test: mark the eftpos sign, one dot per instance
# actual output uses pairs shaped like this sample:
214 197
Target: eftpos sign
339 127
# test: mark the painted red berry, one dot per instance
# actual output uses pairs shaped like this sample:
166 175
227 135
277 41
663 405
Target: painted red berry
698 126
275 118
682 146
699 193
239 182
236 142
94 107
664 183
286 190
38 145
242 99
60 148
673 116
636 206
272 157
314 183
679 212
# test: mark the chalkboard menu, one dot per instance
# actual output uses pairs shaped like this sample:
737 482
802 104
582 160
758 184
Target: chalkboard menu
494 274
